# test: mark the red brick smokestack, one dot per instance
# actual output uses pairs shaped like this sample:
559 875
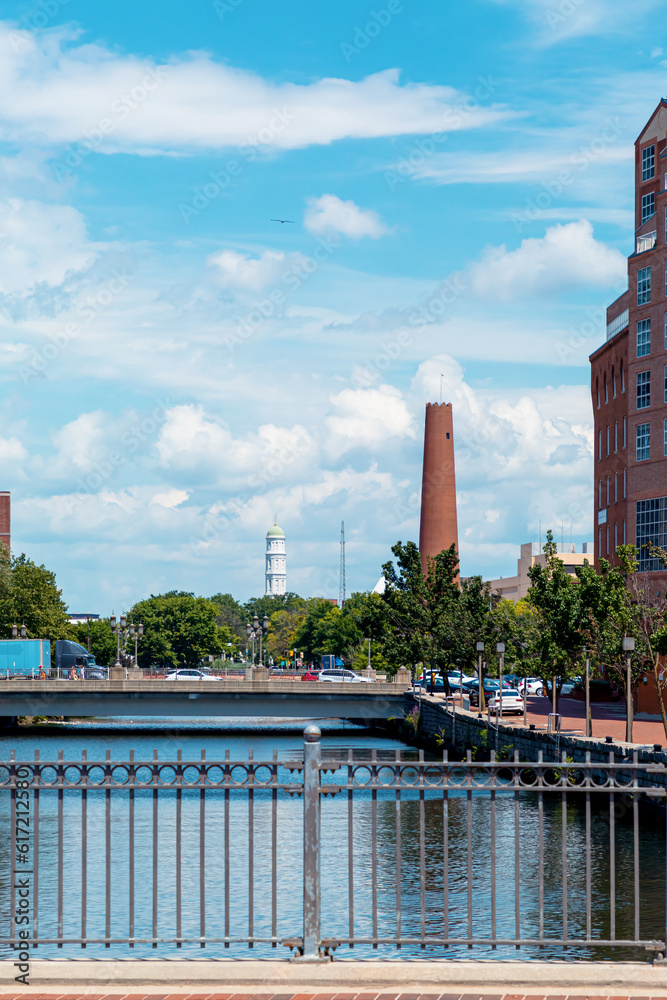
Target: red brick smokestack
5 519
438 527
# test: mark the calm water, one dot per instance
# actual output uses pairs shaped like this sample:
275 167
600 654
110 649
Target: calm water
285 737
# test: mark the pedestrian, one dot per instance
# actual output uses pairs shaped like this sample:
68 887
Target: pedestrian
72 674
42 673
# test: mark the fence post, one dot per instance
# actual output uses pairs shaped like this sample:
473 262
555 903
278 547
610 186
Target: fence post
312 757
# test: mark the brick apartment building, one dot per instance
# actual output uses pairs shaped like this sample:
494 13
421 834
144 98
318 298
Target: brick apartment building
629 376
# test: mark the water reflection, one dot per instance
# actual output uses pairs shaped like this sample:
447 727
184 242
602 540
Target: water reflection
244 904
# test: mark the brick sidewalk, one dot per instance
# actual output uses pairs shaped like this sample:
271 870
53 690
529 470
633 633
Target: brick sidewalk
316 995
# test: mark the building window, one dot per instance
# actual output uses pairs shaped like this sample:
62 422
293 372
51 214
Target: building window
666 383
599 446
643 286
615 536
648 163
643 338
613 382
664 433
622 378
615 436
607 491
624 475
607 439
616 487
648 206
625 433
651 527
599 494
643 442
643 390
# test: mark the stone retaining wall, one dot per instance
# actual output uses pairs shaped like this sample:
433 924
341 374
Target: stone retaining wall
472 733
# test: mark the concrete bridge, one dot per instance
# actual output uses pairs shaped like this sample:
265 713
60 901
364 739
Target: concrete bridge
197 699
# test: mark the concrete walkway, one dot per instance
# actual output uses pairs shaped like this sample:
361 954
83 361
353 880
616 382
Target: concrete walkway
608 720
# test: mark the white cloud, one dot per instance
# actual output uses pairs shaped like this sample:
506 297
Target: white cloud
53 90
239 270
40 243
171 498
80 443
576 18
190 441
567 257
328 214
367 418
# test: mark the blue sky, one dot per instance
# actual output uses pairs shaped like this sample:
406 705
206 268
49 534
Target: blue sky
177 368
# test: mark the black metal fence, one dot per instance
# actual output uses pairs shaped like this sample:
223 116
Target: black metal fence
503 857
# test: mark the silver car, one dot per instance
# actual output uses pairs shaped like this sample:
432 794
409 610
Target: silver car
190 674
342 677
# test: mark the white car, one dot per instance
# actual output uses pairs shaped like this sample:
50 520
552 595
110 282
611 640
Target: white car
342 676
533 685
190 674
512 702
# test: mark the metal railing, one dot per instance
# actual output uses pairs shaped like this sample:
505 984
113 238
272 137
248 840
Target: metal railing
323 852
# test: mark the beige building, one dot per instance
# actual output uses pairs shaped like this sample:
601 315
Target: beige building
514 588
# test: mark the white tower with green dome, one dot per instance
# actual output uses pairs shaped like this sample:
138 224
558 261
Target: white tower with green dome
276 561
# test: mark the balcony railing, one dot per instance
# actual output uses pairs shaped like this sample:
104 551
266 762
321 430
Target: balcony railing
618 323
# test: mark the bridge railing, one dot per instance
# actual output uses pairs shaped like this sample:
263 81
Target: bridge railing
320 852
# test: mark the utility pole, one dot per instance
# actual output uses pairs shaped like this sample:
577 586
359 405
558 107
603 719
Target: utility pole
341 574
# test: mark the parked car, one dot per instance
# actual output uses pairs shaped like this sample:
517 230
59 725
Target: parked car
490 687
96 673
511 701
533 685
190 674
310 675
338 676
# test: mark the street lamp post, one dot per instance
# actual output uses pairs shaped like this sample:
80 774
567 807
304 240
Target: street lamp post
256 631
629 648
479 646
118 628
136 634
500 649
589 721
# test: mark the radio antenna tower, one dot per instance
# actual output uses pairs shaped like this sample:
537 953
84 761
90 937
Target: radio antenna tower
341 575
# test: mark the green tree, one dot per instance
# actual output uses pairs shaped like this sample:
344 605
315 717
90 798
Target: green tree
30 596
308 637
230 614
284 627
179 630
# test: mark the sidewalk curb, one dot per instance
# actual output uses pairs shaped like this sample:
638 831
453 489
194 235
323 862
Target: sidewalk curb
181 974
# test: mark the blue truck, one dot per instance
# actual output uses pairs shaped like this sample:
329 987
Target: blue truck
27 657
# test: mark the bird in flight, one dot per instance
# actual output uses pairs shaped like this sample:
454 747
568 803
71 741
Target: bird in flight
283 220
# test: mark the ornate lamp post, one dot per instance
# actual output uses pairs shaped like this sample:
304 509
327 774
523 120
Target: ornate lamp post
119 629
479 646
500 649
136 634
257 631
628 648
